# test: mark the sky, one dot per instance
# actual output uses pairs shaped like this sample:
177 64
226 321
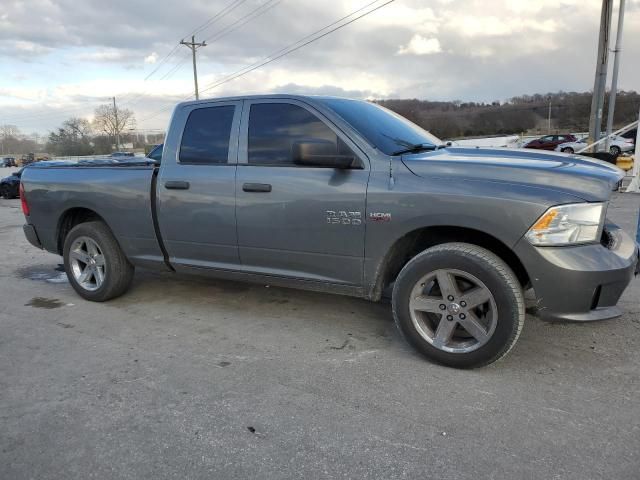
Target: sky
62 58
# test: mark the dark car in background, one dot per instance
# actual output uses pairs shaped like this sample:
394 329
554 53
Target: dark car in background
550 142
10 185
156 153
8 162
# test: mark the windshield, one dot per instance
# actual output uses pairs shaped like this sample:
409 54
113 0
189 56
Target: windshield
382 128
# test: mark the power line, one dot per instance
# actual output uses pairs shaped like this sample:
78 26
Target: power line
218 16
224 11
228 29
275 56
287 50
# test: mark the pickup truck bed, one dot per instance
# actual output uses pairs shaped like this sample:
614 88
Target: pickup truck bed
121 191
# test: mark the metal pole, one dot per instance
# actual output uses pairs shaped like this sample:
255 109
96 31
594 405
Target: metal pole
614 75
549 119
634 186
597 101
117 126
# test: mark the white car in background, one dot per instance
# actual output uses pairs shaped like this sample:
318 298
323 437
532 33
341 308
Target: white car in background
617 145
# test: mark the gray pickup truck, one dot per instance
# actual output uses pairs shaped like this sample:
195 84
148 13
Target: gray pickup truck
344 196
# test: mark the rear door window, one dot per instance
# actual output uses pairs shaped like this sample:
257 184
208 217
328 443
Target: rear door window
206 136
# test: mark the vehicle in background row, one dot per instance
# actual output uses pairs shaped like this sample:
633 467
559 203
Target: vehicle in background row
156 153
8 162
345 196
9 186
549 142
631 134
617 146
122 155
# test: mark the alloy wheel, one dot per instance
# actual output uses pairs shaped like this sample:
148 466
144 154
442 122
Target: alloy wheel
87 263
453 310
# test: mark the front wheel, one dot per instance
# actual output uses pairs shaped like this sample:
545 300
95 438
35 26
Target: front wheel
459 305
96 267
567 150
615 150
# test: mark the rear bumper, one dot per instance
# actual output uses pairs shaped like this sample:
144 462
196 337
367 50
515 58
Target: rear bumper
581 283
31 234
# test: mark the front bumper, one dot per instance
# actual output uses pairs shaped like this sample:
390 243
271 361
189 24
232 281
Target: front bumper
581 283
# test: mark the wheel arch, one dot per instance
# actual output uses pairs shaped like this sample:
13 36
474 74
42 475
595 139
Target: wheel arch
418 240
69 219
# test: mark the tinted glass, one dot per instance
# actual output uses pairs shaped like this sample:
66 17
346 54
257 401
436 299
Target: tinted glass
274 127
206 135
382 128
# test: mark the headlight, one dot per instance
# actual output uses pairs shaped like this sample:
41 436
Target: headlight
568 225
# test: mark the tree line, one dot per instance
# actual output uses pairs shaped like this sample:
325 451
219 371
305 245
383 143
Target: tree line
448 120
522 114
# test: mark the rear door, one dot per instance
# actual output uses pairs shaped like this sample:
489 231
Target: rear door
298 221
196 186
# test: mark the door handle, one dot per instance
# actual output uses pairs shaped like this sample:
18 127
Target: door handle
256 187
176 185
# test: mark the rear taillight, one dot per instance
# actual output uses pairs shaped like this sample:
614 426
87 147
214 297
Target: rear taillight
23 200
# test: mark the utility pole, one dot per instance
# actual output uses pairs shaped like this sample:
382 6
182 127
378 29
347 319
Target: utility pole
115 113
614 75
549 116
194 46
599 84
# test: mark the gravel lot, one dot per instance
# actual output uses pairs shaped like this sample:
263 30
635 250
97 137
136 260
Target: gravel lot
190 378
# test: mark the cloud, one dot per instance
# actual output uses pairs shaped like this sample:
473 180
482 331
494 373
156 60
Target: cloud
478 50
151 59
419 45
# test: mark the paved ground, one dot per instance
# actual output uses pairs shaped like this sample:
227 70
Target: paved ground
186 378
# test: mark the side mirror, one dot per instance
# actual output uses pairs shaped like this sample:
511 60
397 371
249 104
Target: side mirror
319 153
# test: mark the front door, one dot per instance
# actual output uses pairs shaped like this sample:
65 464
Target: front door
298 221
196 187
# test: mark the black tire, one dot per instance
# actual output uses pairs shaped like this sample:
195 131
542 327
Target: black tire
567 150
614 150
498 279
118 271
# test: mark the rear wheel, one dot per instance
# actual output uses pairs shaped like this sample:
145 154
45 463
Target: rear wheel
459 305
567 150
615 150
96 266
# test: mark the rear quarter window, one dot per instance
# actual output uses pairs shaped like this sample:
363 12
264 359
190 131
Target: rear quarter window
206 136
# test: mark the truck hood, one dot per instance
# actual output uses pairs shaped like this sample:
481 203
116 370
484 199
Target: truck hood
589 179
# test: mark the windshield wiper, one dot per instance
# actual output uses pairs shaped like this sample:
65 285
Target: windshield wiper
418 147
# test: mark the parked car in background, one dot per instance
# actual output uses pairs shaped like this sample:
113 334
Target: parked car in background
550 142
156 153
8 162
617 146
631 134
345 196
27 159
122 154
9 186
